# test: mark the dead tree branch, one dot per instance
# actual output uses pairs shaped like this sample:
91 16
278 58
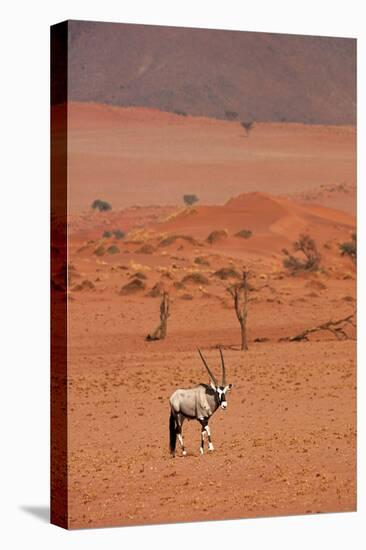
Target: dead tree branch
240 294
160 332
337 328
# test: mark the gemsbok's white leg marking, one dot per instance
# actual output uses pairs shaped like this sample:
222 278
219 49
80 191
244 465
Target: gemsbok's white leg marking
180 438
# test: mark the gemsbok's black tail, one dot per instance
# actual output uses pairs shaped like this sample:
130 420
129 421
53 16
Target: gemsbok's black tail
172 434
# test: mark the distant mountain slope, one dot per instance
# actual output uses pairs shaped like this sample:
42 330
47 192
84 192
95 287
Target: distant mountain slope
259 76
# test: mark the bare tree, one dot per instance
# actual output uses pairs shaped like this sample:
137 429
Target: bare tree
240 295
160 332
248 126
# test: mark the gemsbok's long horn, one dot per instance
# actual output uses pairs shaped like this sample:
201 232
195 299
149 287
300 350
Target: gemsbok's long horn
223 368
208 370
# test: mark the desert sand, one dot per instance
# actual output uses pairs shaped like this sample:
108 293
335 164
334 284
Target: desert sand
143 156
286 443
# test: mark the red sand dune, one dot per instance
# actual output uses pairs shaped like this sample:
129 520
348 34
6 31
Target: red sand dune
144 156
274 222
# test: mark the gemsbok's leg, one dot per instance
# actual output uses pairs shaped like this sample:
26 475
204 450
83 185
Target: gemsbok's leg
180 421
204 428
210 446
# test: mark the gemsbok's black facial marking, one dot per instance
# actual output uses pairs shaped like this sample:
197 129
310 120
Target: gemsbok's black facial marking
197 403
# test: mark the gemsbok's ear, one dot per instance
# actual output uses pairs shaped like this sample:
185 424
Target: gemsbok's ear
229 387
212 385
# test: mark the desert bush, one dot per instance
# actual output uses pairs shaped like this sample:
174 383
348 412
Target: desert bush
113 249
100 205
248 126
227 273
190 199
100 251
146 249
196 278
136 285
231 115
139 275
107 234
244 233
119 234
217 235
186 296
180 113
178 285
85 285
316 285
156 290
172 238
307 246
201 261
349 248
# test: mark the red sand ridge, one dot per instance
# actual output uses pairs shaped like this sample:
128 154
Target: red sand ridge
273 222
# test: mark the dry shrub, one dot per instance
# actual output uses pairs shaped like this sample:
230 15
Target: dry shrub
156 290
134 286
100 251
167 241
146 249
167 275
178 285
113 249
350 248
217 235
306 245
138 275
201 261
186 296
84 285
227 273
196 278
316 285
244 234
82 248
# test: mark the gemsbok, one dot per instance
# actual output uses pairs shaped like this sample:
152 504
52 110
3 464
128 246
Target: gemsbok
198 403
